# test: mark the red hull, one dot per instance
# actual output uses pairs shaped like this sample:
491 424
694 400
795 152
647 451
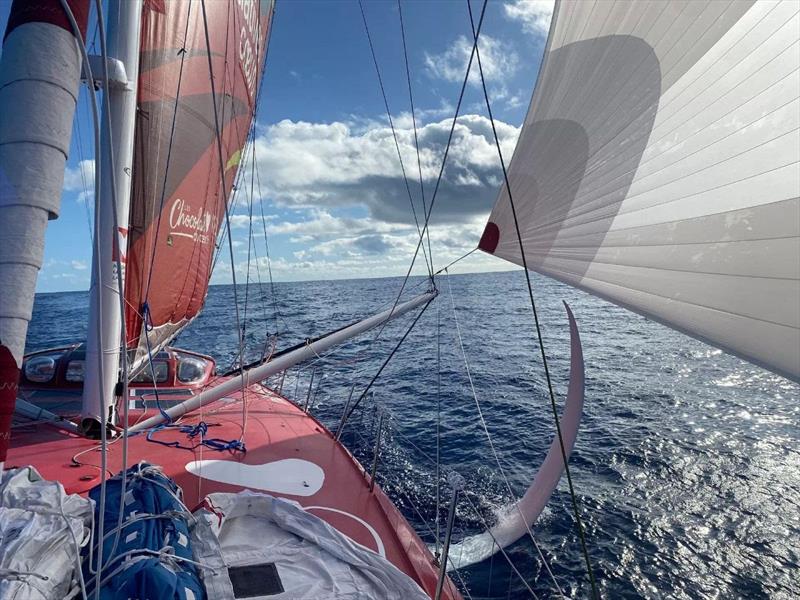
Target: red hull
276 430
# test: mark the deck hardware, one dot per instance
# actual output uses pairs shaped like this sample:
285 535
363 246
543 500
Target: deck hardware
310 387
344 411
456 482
280 385
377 453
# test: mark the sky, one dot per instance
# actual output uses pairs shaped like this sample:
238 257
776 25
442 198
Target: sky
333 193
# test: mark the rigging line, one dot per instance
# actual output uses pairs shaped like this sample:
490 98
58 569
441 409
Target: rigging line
122 374
252 134
249 249
394 133
239 176
491 442
96 127
240 173
414 122
252 246
499 546
576 510
227 214
182 52
82 174
383 366
438 420
266 245
441 169
455 571
261 296
456 260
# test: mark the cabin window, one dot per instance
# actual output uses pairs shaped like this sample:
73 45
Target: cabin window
191 368
41 368
146 376
74 371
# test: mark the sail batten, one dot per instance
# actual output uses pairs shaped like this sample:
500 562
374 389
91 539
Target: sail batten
659 167
179 196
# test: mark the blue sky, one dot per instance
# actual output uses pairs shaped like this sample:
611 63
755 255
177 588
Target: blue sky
332 189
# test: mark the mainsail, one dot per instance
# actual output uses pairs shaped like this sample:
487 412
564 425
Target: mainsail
657 167
178 201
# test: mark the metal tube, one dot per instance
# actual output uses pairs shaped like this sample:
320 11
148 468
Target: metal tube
103 340
457 483
310 387
344 412
261 372
377 454
280 385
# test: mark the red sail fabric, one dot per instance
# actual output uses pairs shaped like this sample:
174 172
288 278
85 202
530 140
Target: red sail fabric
178 198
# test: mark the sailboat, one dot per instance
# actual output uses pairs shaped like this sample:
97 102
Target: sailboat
657 168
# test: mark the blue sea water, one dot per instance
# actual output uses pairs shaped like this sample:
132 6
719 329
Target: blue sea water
687 464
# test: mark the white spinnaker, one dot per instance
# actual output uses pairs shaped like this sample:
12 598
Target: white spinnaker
514 521
659 167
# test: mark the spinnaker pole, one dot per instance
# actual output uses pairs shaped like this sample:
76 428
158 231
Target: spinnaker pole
283 362
104 341
40 72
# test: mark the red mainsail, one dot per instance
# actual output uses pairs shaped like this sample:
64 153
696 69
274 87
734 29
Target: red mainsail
179 195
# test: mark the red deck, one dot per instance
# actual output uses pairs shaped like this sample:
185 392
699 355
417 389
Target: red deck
336 489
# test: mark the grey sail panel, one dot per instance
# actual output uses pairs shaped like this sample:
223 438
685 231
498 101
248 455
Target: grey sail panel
659 167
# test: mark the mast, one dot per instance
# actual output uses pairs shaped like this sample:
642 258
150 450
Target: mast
104 339
39 80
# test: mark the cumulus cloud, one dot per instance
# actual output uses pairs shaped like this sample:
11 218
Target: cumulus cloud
337 204
534 15
369 255
80 179
498 59
334 165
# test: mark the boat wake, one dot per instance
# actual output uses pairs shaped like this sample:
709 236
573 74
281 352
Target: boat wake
514 520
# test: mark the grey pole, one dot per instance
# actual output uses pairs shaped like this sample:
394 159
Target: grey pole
310 387
344 412
377 453
280 385
457 484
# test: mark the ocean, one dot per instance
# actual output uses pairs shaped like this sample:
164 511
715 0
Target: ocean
686 466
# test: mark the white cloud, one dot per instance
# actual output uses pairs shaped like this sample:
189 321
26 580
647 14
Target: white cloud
80 179
331 165
498 59
343 205
79 265
376 255
534 15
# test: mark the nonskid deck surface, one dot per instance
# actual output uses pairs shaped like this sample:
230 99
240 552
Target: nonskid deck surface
289 454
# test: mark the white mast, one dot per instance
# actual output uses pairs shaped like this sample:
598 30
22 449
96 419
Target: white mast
105 318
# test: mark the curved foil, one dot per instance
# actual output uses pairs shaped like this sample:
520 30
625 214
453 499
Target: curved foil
510 525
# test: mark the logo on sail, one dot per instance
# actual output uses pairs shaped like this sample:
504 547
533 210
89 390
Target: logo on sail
199 226
248 42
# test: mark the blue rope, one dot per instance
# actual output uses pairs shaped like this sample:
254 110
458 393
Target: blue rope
193 432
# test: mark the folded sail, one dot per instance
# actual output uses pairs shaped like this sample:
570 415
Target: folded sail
178 199
658 168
